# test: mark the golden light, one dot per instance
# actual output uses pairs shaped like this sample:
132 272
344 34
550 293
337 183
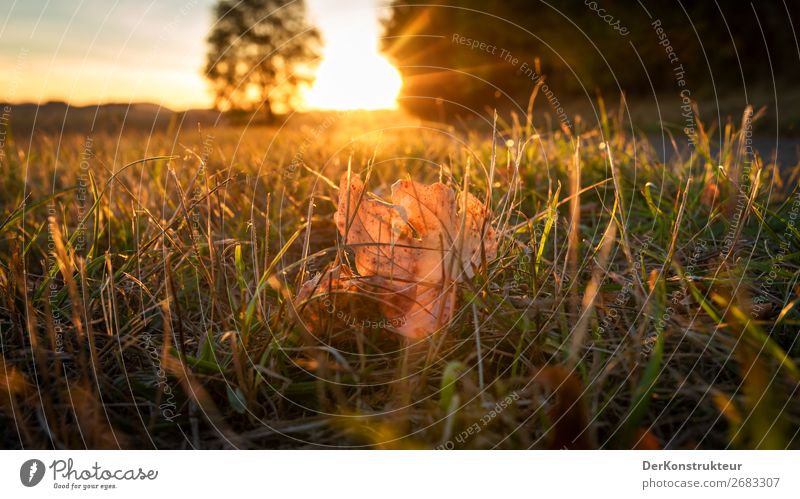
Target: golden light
352 74
349 82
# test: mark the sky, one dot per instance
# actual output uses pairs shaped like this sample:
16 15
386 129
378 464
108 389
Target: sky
96 51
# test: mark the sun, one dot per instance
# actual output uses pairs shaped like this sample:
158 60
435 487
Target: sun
352 73
347 81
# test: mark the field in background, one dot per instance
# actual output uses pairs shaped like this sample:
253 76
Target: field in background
146 286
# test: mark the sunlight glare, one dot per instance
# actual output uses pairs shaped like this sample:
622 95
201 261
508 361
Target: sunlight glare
353 74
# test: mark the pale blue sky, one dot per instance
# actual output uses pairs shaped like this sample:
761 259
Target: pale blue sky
88 51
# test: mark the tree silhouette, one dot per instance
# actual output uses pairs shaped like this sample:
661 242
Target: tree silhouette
478 54
259 52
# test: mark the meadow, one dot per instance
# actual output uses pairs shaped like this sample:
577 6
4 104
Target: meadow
148 283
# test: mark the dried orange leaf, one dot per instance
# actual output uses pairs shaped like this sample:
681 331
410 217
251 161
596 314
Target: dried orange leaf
419 247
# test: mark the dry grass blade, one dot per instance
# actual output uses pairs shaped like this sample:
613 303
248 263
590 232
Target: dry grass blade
599 273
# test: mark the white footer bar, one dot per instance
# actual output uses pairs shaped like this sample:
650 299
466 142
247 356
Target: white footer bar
400 474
